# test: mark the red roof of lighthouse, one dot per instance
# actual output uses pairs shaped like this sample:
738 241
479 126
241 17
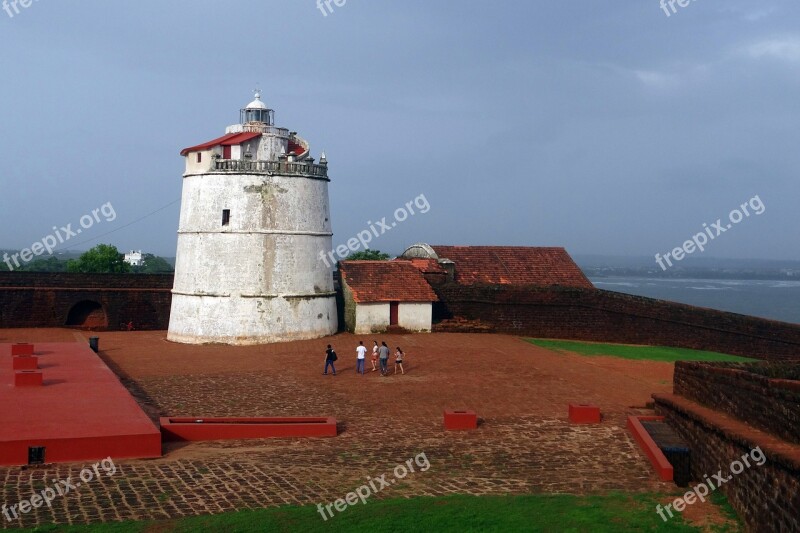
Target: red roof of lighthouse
231 139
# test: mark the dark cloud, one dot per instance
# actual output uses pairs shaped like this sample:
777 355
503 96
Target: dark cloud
604 127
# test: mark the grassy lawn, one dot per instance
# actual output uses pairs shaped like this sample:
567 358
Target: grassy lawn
613 513
645 353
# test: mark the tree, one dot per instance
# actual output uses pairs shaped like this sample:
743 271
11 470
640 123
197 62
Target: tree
152 264
51 264
368 255
102 259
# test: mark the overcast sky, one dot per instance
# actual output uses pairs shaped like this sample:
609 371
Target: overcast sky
604 127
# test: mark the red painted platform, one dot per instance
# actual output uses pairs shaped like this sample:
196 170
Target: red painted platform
584 414
460 420
649 446
80 413
201 429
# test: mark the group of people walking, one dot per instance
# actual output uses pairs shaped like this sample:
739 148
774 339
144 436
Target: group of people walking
380 356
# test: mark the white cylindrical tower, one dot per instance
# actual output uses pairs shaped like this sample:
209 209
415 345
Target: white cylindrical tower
255 221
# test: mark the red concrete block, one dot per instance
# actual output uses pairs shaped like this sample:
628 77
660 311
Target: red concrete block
21 349
649 446
584 414
28 378
203 429
25 362
460 420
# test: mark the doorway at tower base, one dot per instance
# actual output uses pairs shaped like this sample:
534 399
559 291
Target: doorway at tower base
243 321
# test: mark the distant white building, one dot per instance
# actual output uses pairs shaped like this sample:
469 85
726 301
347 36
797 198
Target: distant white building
134 258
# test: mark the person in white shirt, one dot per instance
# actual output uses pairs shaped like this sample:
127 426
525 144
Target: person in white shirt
361 352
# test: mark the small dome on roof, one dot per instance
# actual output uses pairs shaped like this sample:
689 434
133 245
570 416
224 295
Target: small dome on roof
257 103
420 250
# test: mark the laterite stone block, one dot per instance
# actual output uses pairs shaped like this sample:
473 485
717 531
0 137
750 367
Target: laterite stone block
28 378
584 414
460 420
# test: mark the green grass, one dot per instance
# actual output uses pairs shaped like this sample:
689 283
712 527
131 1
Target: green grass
614 512
641 353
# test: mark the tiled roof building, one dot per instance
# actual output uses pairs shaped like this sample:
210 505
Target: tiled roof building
386 281
501 265
382 294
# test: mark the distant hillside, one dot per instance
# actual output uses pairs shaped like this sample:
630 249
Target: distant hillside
690 267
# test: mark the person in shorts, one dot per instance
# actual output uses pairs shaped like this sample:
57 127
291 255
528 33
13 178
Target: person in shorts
398 361
375 356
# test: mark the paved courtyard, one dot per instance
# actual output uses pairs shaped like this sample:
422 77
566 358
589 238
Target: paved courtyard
520 391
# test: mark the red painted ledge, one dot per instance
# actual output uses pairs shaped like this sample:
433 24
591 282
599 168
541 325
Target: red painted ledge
649 446
205 428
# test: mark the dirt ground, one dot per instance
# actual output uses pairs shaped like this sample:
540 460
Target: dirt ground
521 393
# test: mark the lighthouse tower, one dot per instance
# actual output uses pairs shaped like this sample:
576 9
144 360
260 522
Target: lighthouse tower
255 217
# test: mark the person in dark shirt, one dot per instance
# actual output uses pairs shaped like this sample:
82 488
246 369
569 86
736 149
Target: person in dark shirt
330 357
383 351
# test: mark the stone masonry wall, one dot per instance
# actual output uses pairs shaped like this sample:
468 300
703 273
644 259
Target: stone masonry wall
604 316
767 497
35 300
770 404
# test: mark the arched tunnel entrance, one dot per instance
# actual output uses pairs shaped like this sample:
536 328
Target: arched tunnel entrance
87 314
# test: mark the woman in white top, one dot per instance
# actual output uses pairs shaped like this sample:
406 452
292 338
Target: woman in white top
375 356
398 360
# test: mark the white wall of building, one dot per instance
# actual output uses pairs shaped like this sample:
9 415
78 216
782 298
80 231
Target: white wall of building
375 317
134 258
193 166
371 317
415 316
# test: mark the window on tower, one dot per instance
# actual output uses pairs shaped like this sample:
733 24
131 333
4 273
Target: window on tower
226 217
199 157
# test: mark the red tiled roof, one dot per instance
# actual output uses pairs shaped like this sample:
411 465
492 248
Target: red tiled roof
427 266
513 265
386 281
231 139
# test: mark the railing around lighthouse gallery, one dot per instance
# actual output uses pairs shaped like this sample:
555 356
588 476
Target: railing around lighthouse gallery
271 167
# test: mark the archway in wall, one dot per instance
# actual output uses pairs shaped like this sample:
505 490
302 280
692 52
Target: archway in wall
88 315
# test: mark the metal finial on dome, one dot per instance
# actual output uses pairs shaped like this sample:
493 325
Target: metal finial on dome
257 103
